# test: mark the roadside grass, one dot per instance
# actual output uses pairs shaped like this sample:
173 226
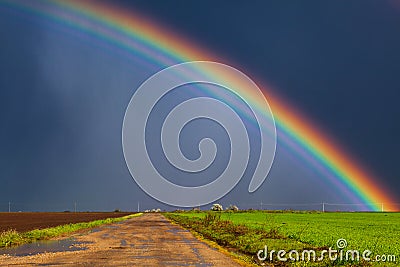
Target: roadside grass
13 238
238 238
248 232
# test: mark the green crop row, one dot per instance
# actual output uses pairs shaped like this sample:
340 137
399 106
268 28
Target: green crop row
377 232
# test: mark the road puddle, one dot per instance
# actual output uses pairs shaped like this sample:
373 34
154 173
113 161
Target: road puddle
43 246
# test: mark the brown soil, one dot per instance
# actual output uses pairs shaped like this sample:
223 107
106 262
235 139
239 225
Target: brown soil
148 240
26 221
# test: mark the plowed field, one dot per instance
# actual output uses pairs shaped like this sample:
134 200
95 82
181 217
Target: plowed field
26 221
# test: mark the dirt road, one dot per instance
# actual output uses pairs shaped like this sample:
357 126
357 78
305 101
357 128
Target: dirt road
148 240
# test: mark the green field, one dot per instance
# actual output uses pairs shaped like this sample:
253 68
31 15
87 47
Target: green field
248 232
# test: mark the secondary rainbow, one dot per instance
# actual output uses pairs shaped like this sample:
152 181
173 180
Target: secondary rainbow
156 45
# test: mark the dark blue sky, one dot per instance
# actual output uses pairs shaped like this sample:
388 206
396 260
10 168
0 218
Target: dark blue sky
338 61
63 97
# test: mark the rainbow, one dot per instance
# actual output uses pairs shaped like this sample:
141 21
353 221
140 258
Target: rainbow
139 37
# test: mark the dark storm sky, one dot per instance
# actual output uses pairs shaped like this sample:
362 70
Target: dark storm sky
336 61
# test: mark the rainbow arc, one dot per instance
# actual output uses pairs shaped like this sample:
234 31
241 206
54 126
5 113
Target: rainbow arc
158 46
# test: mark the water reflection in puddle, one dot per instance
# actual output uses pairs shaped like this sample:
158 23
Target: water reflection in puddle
43 246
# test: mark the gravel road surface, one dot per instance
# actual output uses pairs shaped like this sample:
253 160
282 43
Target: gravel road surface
148 240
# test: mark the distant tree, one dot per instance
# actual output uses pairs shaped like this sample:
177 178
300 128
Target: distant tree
217 207
232 208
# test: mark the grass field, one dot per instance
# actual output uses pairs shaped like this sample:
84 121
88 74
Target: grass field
248 232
